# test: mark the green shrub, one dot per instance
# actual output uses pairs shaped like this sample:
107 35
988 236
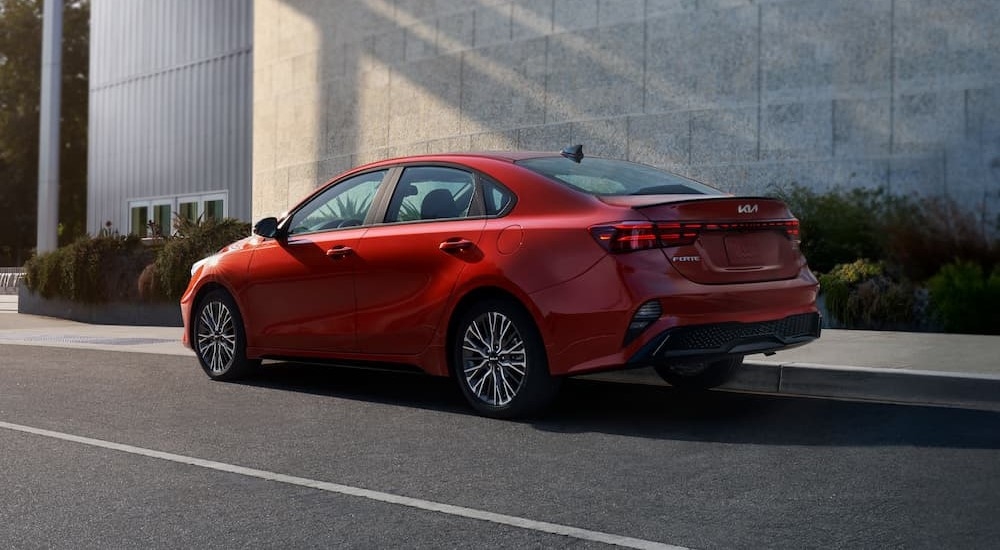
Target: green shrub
43 274
862 294
193 242
916 236
965 299
921 238
112 268
90 270
838 227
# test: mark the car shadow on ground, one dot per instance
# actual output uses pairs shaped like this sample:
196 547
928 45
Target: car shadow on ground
660 412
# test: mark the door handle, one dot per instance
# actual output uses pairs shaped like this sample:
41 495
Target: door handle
455 245
339 252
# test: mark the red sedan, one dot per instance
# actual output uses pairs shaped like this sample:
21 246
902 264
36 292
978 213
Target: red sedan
508 272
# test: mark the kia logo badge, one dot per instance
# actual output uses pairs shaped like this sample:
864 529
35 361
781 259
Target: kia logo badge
747 209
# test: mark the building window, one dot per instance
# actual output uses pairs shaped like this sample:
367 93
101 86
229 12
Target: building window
156 216
214 209
138 219
188 210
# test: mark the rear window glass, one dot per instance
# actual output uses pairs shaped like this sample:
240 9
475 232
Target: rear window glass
599 176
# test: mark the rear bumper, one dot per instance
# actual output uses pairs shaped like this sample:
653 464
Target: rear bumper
716 340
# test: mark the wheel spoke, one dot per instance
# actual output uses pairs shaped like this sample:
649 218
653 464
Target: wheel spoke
472 369
478 387
474 349
474 331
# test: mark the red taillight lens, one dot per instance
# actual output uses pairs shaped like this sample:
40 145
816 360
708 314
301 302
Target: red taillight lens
792 230
678 234
626 236
630 236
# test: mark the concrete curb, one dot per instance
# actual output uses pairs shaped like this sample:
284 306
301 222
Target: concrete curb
915 387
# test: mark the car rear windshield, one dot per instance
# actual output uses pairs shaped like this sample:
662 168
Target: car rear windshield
599 176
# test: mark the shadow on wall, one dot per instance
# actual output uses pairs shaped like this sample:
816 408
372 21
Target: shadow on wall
740 94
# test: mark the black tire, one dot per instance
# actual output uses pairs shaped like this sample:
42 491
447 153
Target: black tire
515 356
219 339
700 376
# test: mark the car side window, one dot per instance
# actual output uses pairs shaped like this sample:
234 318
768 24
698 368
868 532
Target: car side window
496 199
431 193
344 204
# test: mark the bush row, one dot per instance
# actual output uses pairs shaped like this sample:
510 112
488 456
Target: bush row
890 262
110 268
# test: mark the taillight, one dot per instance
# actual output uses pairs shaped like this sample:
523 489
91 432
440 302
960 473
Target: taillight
626 236
677 233
631 236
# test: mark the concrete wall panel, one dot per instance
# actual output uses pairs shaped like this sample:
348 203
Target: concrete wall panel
800 130
682 46
747 94
594 73
820 48
723 135
861 127
660 140
516 98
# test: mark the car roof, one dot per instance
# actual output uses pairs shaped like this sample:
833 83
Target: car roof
506 156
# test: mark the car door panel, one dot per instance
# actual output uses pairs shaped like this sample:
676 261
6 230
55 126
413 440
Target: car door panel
302 296
407 281
304 280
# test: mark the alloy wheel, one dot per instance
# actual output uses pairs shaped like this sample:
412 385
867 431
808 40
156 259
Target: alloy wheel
494 359
216 337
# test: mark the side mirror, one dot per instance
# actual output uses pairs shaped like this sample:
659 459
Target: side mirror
267 227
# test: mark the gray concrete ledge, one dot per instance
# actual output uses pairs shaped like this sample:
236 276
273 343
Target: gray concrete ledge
116 313
917 387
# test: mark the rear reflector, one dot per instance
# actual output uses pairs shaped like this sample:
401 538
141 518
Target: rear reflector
631 236
644 316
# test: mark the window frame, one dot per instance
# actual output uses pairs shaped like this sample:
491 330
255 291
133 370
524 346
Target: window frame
477 207
473 211
284 225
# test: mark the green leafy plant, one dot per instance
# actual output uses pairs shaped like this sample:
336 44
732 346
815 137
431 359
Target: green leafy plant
862 294
914 235
408 212
965 299
90 270
838 227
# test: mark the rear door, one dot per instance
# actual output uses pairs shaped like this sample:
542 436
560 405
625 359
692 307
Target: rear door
412 262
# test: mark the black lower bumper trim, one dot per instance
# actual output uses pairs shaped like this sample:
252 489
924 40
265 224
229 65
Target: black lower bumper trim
696 342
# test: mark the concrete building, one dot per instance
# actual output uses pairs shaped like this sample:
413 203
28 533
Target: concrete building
170 112
747 94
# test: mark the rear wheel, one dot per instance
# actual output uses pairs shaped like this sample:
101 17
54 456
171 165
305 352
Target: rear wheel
700 376
219 338
499 361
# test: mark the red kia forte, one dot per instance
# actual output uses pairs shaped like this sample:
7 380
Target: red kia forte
509 272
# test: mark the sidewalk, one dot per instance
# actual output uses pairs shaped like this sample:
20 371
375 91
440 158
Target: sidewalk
904 367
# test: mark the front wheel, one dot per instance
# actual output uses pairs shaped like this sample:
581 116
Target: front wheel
700 376
499 361
219 338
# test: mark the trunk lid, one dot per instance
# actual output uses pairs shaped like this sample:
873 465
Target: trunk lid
721 240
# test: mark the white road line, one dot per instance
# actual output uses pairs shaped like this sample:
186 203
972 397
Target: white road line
461 511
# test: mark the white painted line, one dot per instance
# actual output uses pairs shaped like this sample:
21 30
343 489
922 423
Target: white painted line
461 511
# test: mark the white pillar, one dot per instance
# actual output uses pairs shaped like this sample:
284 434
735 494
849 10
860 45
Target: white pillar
48 135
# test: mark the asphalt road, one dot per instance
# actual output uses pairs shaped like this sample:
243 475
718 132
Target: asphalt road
637 464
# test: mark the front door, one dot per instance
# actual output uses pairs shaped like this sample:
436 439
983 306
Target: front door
303 290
